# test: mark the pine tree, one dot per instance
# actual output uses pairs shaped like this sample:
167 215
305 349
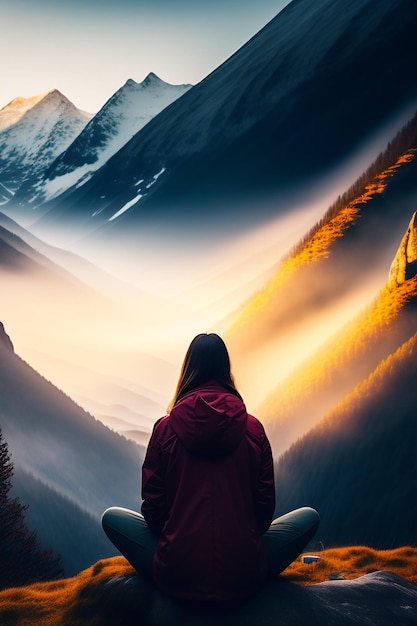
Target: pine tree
22 560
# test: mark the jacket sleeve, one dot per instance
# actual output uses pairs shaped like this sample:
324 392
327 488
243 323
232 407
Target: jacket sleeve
265 494
154 508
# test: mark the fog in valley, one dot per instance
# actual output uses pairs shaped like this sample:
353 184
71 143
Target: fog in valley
112 334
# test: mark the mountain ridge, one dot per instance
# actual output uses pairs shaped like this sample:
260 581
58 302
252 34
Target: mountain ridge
37 137
67 450
16 108
333 273
359 453
129 109
217 162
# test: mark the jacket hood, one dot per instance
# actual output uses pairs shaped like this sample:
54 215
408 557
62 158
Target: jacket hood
209 421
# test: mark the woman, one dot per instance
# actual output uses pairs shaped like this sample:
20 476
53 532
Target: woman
205 532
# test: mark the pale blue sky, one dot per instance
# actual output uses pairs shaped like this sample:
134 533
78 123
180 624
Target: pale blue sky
88 48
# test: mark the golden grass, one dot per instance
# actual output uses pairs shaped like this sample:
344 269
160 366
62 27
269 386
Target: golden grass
53 603
48 603
352 562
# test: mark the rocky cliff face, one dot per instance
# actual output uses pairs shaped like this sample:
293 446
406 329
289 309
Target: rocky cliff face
404 265
5 340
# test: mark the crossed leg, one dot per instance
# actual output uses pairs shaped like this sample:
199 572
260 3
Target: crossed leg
288 535
284 541
129 532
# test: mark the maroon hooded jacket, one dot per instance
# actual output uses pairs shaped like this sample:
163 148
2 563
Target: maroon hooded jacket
208 492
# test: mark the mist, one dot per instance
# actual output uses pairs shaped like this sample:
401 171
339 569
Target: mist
114 340
109 317
119 355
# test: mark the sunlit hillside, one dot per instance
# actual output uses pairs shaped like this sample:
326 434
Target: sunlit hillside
108 592
332 274
317 244
345 360
342 215
357 467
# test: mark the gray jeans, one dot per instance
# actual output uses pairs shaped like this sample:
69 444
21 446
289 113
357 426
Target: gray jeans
283 541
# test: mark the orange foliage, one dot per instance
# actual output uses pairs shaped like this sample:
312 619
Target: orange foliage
346 346
49 603
373 383
56 603
352 562
320 239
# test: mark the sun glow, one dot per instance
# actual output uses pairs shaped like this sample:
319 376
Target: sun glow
114 346
114 335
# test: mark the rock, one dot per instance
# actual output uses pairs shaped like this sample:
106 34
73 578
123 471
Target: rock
377 599
111 593
404 265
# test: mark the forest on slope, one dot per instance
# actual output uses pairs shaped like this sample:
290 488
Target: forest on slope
22 558
358 465
348 253
340 248
344 361
68 466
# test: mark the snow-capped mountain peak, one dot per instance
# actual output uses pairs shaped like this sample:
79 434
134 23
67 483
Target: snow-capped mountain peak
129 109
152 79
39 134
296 101
14 111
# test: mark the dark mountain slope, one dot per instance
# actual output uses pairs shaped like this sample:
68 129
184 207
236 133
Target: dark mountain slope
77 327
298 97
59 444
75 534
11 258
358 466
53 257
62 444
54 291
18 255
58 299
